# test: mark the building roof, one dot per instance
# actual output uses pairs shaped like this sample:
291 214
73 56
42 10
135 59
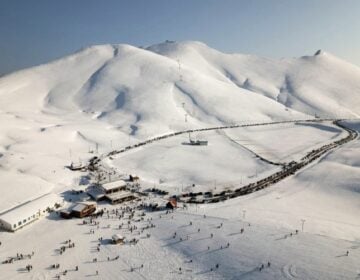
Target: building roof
83 196
119 195
113 185
118 237
27 209
81 206
95 193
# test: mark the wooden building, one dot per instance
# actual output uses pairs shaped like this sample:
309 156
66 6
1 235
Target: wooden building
83 209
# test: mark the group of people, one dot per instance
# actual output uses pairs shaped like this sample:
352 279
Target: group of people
262 266
18 257
63 248
29 267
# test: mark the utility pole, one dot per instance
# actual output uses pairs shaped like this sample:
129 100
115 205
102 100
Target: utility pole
302 224
180 76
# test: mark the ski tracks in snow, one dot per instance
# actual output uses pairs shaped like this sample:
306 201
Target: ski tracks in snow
289 271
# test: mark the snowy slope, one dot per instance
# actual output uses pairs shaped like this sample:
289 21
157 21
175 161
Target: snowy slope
321 83
133 87
111 96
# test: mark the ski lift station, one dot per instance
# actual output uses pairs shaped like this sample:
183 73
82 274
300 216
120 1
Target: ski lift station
29 212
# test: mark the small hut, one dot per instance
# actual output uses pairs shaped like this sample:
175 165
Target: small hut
172 203
118 239
134 178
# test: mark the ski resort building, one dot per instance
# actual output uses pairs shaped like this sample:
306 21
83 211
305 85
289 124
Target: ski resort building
120 197
83 209
115 192
99 191
28 212
113 187
96 193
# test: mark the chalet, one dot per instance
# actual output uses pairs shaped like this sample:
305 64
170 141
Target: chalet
29 212
120 197
83 209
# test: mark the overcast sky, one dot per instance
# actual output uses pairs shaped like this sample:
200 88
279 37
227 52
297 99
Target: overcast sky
36 31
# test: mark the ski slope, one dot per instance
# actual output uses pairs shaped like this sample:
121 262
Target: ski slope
107 97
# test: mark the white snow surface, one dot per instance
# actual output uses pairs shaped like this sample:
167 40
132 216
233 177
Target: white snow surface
107 97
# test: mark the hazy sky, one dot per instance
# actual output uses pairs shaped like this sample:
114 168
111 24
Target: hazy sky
37 31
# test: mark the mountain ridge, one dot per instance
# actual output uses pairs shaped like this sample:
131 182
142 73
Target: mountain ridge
164 82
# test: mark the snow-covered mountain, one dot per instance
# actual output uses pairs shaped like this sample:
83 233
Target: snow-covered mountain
107 97
133 87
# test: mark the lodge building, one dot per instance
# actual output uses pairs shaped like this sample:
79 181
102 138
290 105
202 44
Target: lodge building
28 212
